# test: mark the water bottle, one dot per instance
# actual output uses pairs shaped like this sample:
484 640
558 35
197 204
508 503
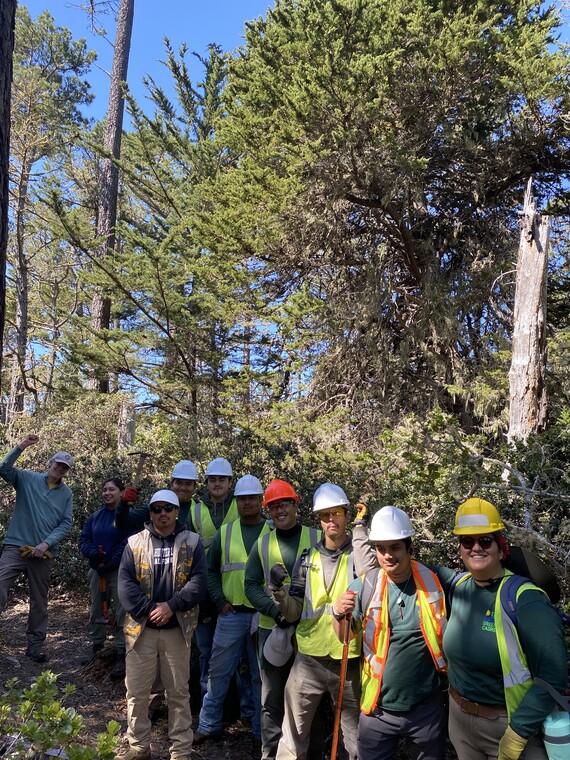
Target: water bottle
556 735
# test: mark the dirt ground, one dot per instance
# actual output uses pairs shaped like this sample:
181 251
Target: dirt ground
97 698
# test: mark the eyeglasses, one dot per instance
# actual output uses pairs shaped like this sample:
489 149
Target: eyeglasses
158 508
328 514
275 505
468 542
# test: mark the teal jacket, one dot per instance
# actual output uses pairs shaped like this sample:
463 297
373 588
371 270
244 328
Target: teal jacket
40 513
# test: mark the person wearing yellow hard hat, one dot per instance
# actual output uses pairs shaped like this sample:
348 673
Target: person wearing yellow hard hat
502 633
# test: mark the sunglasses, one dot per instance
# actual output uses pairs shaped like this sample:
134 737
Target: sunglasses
156 510
468 542
330 513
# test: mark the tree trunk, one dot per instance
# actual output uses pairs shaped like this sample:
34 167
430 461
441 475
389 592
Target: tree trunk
527 376
107 210
7 21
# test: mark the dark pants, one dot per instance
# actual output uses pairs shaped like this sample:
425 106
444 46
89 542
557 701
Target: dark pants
423 727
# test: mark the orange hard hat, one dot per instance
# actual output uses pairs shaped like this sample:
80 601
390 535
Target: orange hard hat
279 489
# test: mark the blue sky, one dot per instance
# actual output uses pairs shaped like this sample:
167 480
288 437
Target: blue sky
190 21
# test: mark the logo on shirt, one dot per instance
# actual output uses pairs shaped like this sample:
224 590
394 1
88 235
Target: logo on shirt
488 622
163 556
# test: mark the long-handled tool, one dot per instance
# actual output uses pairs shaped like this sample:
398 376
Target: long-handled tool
142 455
105 618
342 680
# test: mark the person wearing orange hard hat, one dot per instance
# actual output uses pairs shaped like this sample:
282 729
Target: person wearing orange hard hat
501 635
282 547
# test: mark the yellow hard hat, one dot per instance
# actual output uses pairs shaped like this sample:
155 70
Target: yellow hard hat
477 517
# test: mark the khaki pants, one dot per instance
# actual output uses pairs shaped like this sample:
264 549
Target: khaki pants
168 648
477 738
38 573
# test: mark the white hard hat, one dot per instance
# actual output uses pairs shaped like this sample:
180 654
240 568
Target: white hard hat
165 495
328 496
219 466
248 485
185 470
390 524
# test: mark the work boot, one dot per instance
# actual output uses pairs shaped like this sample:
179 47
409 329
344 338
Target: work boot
36 656
119 670
132 754
200 738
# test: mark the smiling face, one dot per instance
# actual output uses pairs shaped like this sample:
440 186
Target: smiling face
218 487
56 471
184 489
283 512
111 494
163 522
395 558
482 563
333 523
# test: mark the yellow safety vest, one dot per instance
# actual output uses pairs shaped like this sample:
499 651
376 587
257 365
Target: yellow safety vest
315 632
270 554
202 521
233 559
517 678
376 630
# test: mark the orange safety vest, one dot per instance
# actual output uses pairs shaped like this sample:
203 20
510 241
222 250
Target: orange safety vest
376 629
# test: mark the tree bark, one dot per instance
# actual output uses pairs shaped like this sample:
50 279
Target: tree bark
527 375
7 22
107 209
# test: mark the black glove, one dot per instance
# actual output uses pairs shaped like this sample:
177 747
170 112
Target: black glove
277 575
281 621
103 570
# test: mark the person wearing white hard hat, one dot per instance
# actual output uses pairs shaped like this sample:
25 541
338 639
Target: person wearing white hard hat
399 610
183 481
41 519
162 579
226 575
321 574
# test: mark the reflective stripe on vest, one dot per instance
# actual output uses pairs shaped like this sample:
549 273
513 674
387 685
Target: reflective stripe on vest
315 632
517 679
376 629
202 520
233 560
270 554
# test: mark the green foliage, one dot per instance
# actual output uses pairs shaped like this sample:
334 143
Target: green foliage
33 720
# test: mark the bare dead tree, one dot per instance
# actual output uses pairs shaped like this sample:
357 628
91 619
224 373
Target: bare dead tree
527 375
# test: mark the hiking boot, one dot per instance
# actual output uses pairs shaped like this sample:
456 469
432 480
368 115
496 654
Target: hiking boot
119 670
200 738
132 754
36 656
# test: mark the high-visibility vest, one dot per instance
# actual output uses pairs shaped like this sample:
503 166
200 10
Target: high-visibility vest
233 559
517 678
376 630
203 523
270 554
315 633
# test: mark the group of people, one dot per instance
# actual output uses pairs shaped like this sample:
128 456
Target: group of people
344 609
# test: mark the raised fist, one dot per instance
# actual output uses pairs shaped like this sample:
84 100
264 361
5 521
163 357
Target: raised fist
277 575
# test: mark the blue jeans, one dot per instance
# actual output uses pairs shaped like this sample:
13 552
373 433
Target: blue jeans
232 632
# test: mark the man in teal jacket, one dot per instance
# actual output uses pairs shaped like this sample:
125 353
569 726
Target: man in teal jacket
41 519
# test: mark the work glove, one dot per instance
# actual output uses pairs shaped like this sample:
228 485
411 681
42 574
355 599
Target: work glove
130 494
281 621
277 575
103 570
27 551
511 745
362 514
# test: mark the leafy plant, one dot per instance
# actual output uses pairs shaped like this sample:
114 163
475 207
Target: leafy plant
33 720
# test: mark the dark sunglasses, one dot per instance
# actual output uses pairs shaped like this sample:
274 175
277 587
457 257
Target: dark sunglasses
156 509
468 542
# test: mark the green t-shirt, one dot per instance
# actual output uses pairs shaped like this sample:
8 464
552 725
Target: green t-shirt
410 675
